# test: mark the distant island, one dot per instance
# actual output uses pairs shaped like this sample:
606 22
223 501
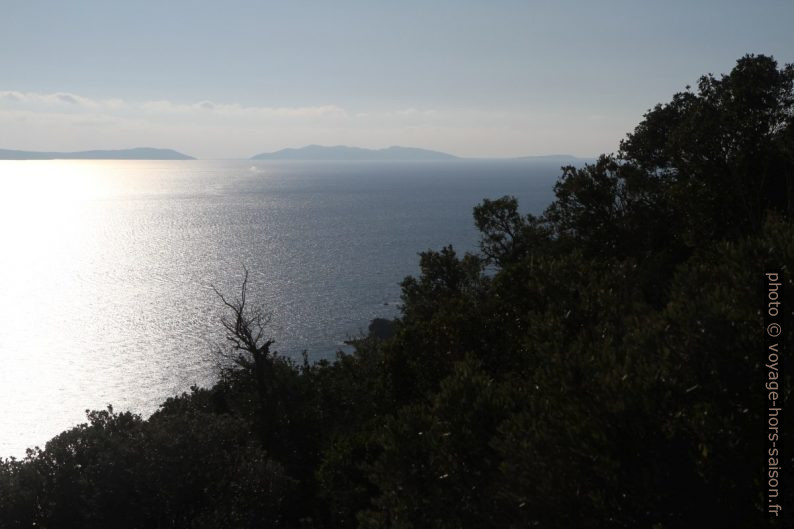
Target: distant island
140 153
342 152
395 153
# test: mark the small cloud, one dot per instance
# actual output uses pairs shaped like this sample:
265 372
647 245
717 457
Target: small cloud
9 95
67 98
403 114
413 112
236 110
321 111
157 106
58 99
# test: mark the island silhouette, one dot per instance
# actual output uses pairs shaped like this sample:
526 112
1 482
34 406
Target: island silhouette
393 153
139 153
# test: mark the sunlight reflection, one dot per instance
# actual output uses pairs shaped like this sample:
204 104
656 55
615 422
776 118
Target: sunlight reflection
43 210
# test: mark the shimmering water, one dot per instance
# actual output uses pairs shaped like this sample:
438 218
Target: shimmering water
106 267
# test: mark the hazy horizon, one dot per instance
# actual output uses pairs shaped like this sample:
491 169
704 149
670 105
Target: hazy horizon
506 80
254 156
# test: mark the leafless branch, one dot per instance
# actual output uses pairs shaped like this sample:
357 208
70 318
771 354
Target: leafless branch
245 328
249 349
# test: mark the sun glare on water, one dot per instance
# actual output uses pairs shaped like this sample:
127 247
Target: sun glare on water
41 200
44 206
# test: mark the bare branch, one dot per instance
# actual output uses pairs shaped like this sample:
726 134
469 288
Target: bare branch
245 326
249 349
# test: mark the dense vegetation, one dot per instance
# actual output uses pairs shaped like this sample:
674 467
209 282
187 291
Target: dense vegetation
599 365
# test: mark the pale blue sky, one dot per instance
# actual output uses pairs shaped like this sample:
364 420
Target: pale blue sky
234 78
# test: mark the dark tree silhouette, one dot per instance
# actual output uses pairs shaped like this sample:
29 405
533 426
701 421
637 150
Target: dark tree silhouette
249 350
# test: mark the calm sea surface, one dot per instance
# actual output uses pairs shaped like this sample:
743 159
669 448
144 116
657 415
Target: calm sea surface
107 267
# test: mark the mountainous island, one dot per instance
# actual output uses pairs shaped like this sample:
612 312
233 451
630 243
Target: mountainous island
394 153
140 153
342 152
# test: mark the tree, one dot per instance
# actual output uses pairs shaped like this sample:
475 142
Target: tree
250 350
724 154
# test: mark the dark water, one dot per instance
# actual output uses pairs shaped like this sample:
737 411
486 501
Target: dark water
107 267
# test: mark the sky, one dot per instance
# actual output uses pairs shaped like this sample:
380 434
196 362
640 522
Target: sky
483 79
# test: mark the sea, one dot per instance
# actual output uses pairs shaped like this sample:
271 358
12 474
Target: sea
108 269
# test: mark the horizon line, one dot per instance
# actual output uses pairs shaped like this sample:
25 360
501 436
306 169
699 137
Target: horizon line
251 157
